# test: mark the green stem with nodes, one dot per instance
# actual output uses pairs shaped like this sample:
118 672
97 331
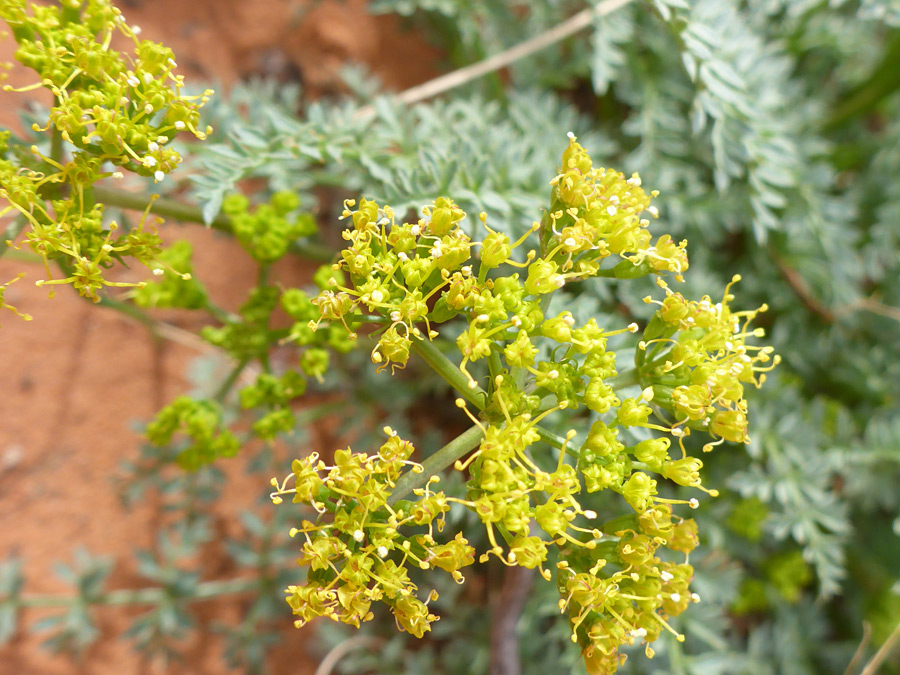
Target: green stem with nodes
440 460
175 210
141 596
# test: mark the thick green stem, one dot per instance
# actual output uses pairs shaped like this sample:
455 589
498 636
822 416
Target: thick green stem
450 372
454 377
169 208
142 596
550 438
440 460
56 140
233 376
628 378
130 310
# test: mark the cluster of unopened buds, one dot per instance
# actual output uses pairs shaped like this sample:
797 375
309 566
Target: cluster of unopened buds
108 108
522 368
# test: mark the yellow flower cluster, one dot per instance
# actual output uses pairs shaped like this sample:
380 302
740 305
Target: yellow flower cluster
108 108
355 549
519 365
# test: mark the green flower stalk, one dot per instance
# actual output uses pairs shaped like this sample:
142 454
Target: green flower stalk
519 367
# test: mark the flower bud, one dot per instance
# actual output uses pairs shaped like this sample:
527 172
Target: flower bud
653 452
495 250
638 491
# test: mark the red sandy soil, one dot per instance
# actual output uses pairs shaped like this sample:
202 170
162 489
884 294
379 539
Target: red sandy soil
75 379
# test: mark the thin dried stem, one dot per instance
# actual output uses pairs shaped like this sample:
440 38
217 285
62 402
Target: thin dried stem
517 583
872 305
883 652
491 64
340 651
860 650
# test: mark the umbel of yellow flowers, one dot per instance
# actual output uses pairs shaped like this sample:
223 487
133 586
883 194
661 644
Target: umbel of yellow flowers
519 366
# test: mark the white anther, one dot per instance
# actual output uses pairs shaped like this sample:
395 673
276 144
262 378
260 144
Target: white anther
415 230
676 597
395 315
695 597
516 321
179 125
570 243
632 327
358 536
653 211
132 80
149 161
611 210
590 514
136 30
152 146
553 374
695 503
148 78
569 320
158 176
666 576
403 256
382 551
158 272
377 295
571 135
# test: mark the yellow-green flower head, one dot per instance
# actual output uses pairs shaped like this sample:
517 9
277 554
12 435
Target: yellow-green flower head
598 212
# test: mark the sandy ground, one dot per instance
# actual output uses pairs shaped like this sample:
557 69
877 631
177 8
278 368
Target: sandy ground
75 379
